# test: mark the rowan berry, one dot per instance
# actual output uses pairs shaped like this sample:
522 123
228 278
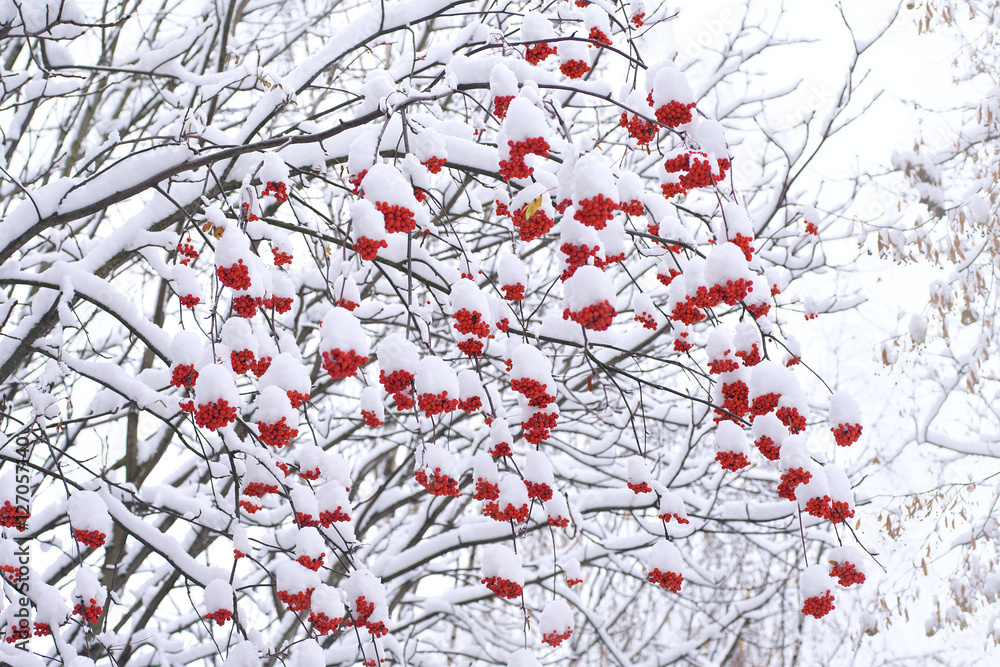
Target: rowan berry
220 616
214 414
536 53
504 588
236 277
670 581
574 69
818 606
339 364
397 218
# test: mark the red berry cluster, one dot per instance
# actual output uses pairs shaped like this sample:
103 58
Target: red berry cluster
189 300
632 207
536 53
668 278
242 361
573 582
397 218
12 572
362 618
818 606
539 490
471 323
538 426
554 639
259 489
371 419
790 480
355 181
794 361
673 113
183 375
846 434
220 616
759 310
574 69
311 475
312 563
513 292
676 517
563 205
339 364
686 311
236 276
791 418
596 317
305 520
435 404
825 508
503 449
504 588
641 487
246 306
91 538
280 258
368 248
558 521
732 460
847 574
509 513
298 601
724 365
327 518
637 19
485 490
596 211
750 357
91 613
296 398
323 624
515 166
732 292
598 35
529 229
214 414
500 104
647 321
734 399
576 256
42 629
438 484
279 304
534 391
671 189
471 347
811 228
186 250
277 435
283 467
764 403
470 405
640 129
681 343
744 243
16 634
670 581
767 448
279 190
434 164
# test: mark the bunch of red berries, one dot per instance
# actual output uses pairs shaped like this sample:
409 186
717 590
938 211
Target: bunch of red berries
355 181
596 211
633 207
298 601
554 639
598 35
847 574
187 251
503 449
280 257
539 490
473 322
485 490
327 517
214 414
768 449
574 69
368 248
724 365
513 292
323 624
750 357
91 612
438 484
279 190
670 581
790 480
667 278
558 521
183 375
434 164
846 434
297 398
242 361
310 563
682 344
515 167
536 53
279 304
764 404
673 113
576 256
637 19
220 616
277 435
534 391
189 300
504 588
819 605
811 228
646 320
259 489
371 419
236 276
732 460
538 426
666 517
791 418
735 398
500 104
397 218
732 292
339 364
686 312
509 513
91 538
641 487
596 317
435 404
246 306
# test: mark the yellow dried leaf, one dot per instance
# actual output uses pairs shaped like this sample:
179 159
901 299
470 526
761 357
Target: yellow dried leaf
207 226
532 207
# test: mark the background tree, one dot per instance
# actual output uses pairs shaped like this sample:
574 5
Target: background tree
327 325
